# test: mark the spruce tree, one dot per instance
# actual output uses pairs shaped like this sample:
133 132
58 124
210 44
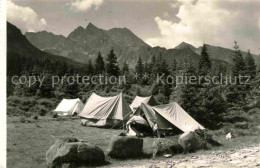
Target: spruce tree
204 63
239 64
90 67
250 65
112 68
125 68
174 65
99 64
139 68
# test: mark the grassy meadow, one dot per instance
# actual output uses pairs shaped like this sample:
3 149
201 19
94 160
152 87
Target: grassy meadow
27 143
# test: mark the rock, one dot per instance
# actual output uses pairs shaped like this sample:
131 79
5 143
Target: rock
70 151
196 140
124 147
165 146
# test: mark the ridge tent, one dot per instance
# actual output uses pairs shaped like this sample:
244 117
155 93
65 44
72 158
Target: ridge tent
69 107
177 116
147 100
167 118
105 111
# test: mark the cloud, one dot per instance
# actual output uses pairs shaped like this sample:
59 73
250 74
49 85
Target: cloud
24 17
209 22
83 5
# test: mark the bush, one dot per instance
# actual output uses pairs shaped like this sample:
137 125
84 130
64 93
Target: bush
243 125
55 115
254 111
161 99
10 110
24 119
46 103
14 101
42 111
236 118
30 102
35 117
25 108
14 111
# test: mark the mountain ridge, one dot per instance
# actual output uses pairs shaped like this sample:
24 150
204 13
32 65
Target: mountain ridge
83 44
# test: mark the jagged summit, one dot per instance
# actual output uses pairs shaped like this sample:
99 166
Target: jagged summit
91 26
184 45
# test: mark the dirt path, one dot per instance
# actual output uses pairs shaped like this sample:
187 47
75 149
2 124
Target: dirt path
248 157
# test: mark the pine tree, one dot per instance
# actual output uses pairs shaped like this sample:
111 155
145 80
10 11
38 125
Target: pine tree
250 65
139 68
112 68
164 67
125 68
90 67
153 69
174 65
204 63
239 64
99 64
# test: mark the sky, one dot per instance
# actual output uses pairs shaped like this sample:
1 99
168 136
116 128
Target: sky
164 23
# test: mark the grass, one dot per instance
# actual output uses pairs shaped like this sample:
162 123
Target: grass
28 143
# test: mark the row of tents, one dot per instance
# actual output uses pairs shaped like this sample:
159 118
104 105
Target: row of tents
143 115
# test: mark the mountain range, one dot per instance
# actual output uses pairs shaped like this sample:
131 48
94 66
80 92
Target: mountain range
20 51
83 44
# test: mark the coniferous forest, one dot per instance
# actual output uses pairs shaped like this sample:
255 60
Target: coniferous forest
213 105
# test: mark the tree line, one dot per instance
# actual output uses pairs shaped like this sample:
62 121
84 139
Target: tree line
207 103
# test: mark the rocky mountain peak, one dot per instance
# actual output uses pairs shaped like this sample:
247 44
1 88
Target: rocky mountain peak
184 45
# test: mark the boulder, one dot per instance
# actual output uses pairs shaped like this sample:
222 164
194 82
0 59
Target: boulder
196 140
71 151
124 147
163 146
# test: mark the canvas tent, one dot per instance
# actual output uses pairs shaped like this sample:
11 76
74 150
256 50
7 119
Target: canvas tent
69 107
147 100
105 111
167 118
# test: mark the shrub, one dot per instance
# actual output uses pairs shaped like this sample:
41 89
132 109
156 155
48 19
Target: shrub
243 125
42 111
23 119
25 108
35 117
236 118
10 110
254 111
161 98
30 102
14 100
46 103
55 115
15 111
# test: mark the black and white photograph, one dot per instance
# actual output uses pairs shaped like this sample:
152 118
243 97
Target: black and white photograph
130 83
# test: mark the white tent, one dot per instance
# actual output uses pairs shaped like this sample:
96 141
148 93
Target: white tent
105 111
147 100
69 107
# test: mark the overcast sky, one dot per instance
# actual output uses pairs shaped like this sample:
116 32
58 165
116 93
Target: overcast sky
164 23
